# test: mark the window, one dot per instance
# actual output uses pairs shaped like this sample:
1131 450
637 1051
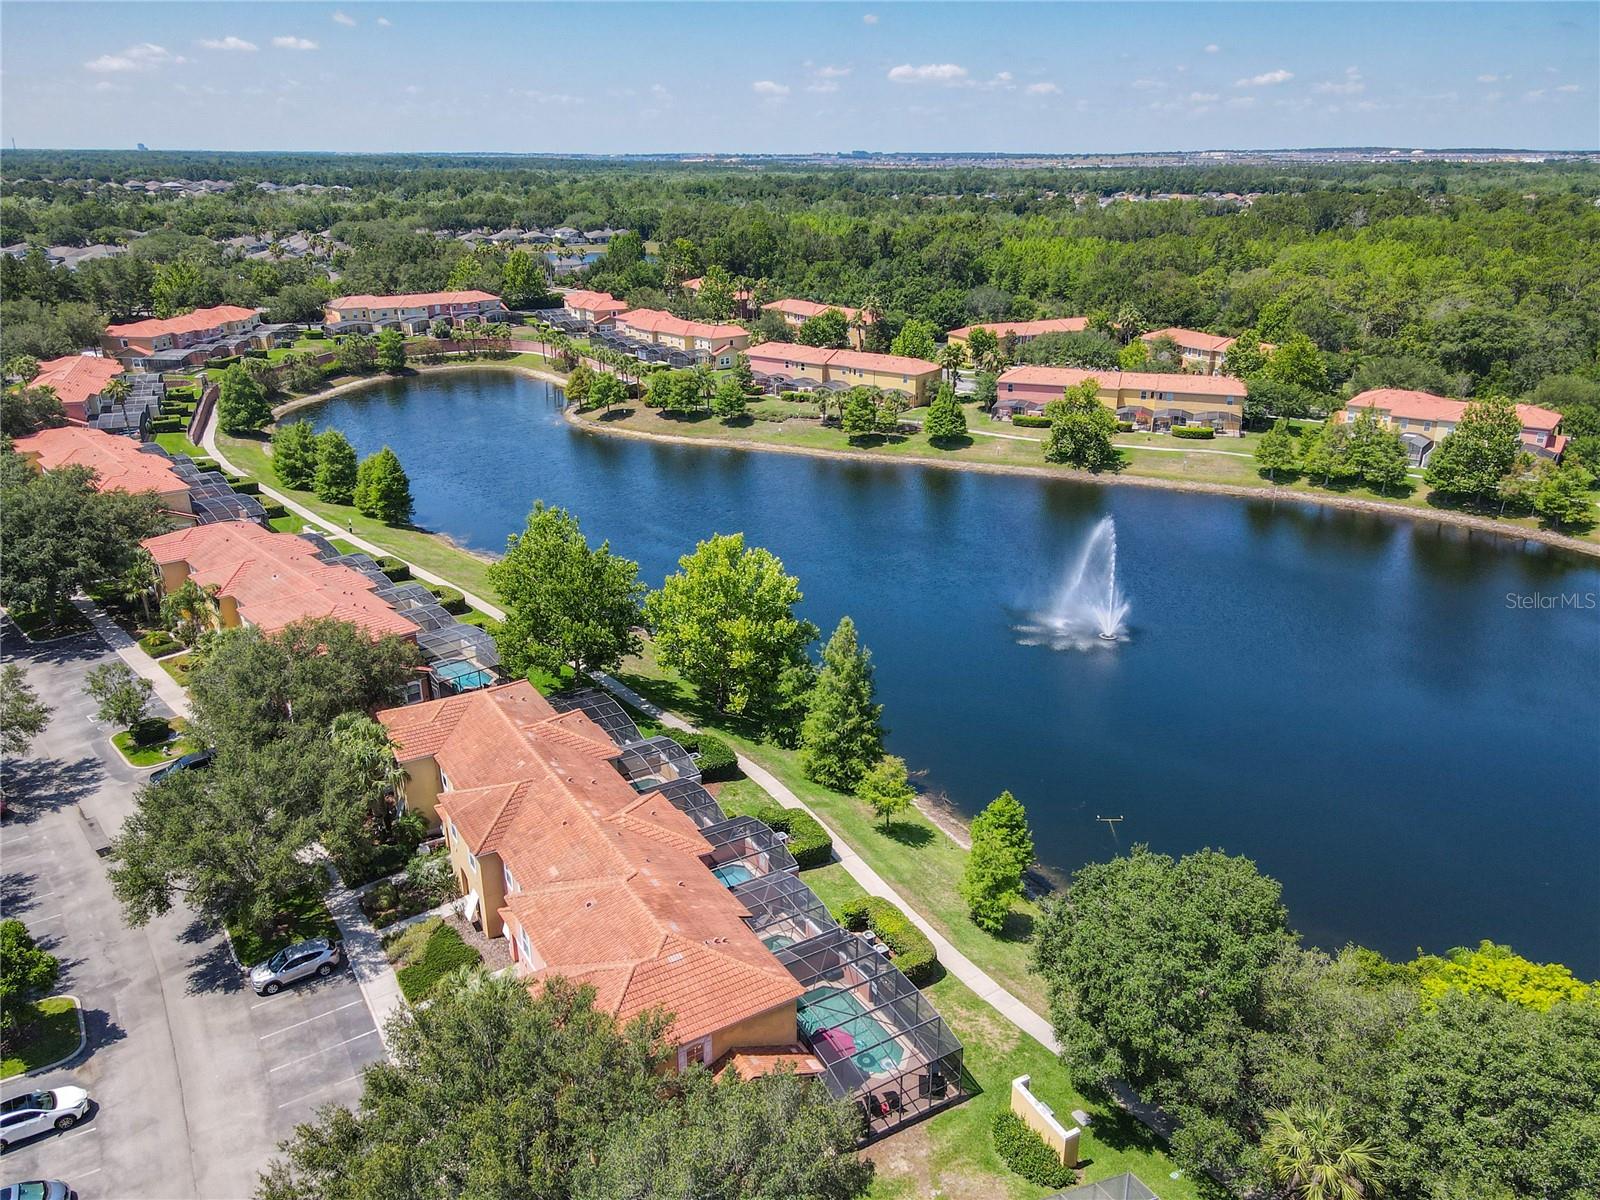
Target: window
522 945
472 860
511 883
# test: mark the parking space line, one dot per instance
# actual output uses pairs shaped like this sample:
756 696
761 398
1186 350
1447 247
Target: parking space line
308 1020
319 1053
80 1132
51 917
323 1088
86 1174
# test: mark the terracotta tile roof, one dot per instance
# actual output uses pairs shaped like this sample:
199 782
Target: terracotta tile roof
118 463
1425 406
77 376
411 300
593 302
806 309
893 364
1064 377
654 320
611 888
198 321
1192 339
698 282
276 578
752 1061
1025 329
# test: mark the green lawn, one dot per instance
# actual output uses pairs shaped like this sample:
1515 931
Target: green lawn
417 546
50 1039
911 852
304 917
177 665
291 522
150 756
177 443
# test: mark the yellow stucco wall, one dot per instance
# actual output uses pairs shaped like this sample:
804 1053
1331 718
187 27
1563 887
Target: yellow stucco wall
775 1027
421 789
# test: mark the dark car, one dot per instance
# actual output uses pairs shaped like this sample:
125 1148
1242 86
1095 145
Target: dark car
189 762
38 1189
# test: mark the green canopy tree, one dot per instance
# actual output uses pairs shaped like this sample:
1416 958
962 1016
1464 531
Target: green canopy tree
577 386
915 340
521 280
123 695
1563 497
242 403
885 788
1478 453
1275 451
27 974
947 420
605 390
23 715
842 734
725 621
728 401
984 347
829 329
1376 452
294 454
335 478
1081 428
567 604
1002 850
383 491
391 351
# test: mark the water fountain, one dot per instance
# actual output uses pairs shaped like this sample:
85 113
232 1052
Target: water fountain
1089 608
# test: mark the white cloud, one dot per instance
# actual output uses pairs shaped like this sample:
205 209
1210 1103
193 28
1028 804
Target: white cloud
1569 88
1043 89
294 43
1265 79
1489 78
1535 94
870 19
385 22
942 73
228 43
1212 47
342 18
823 87
766 87
1242 102
659 92
563 99
413 90
1351 85
827 72
146 56
1147 85
1203 97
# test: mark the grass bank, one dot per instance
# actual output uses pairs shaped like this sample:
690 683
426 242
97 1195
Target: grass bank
303 918
52 1037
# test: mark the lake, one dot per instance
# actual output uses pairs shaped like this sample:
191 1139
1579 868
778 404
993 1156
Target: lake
1400 721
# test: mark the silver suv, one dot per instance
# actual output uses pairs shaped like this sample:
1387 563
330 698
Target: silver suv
33 1113
319 956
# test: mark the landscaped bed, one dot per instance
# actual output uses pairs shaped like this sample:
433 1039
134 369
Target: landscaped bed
47 627
425 884
303 918
50 1038
156 741
425 953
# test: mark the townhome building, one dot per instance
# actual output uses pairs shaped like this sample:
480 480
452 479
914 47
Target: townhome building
743 301
170 343
78 380
1144 399
412 312
1423 420
796 313
1020 331
911 377
1202 353
120 464
713 342
593 308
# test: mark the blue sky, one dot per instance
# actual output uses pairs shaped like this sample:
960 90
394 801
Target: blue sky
779 77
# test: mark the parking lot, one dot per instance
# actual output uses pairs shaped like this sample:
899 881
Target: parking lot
195 1078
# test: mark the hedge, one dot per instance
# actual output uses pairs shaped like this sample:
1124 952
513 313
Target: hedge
393 568
1030 422
452 601
1199 433
808 840
204 464
1024 1151
443 953
913 952
246 487
166 425
1124 426
273 511
159 644
714 757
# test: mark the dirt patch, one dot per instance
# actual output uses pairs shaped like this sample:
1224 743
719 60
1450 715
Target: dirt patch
905 1160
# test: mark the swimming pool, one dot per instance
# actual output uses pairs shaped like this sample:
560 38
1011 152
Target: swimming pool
733 874
831 1008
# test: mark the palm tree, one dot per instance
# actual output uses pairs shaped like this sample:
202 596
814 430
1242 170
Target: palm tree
117 390
952 357
1310 1150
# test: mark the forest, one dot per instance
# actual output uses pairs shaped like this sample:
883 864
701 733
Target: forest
1468 280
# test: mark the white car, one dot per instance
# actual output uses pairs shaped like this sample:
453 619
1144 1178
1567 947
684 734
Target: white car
319 956
33 1113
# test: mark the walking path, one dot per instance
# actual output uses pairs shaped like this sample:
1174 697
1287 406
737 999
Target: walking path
130 652
363 951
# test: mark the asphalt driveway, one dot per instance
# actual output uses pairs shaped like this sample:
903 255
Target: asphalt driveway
195 1078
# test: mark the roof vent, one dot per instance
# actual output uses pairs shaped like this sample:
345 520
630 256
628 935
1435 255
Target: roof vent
588 903
675 958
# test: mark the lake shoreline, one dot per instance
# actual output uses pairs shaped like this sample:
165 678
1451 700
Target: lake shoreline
1349 503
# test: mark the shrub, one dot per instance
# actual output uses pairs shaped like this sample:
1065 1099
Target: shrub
405 947
204 464
246 487
166 425
808 840
159 644
151 731
1026 421
1124 426
443 952
313 335
1024 1151
393 568
714 757
913 952
1199 433
273 511
452 601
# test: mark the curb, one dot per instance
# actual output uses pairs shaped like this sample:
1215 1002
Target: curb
83 1038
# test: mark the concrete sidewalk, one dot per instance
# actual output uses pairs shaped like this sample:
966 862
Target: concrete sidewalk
130 652
363 951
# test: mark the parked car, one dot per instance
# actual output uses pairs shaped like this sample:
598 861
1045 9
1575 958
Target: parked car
319 956
33 1113
189 762
38 1189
